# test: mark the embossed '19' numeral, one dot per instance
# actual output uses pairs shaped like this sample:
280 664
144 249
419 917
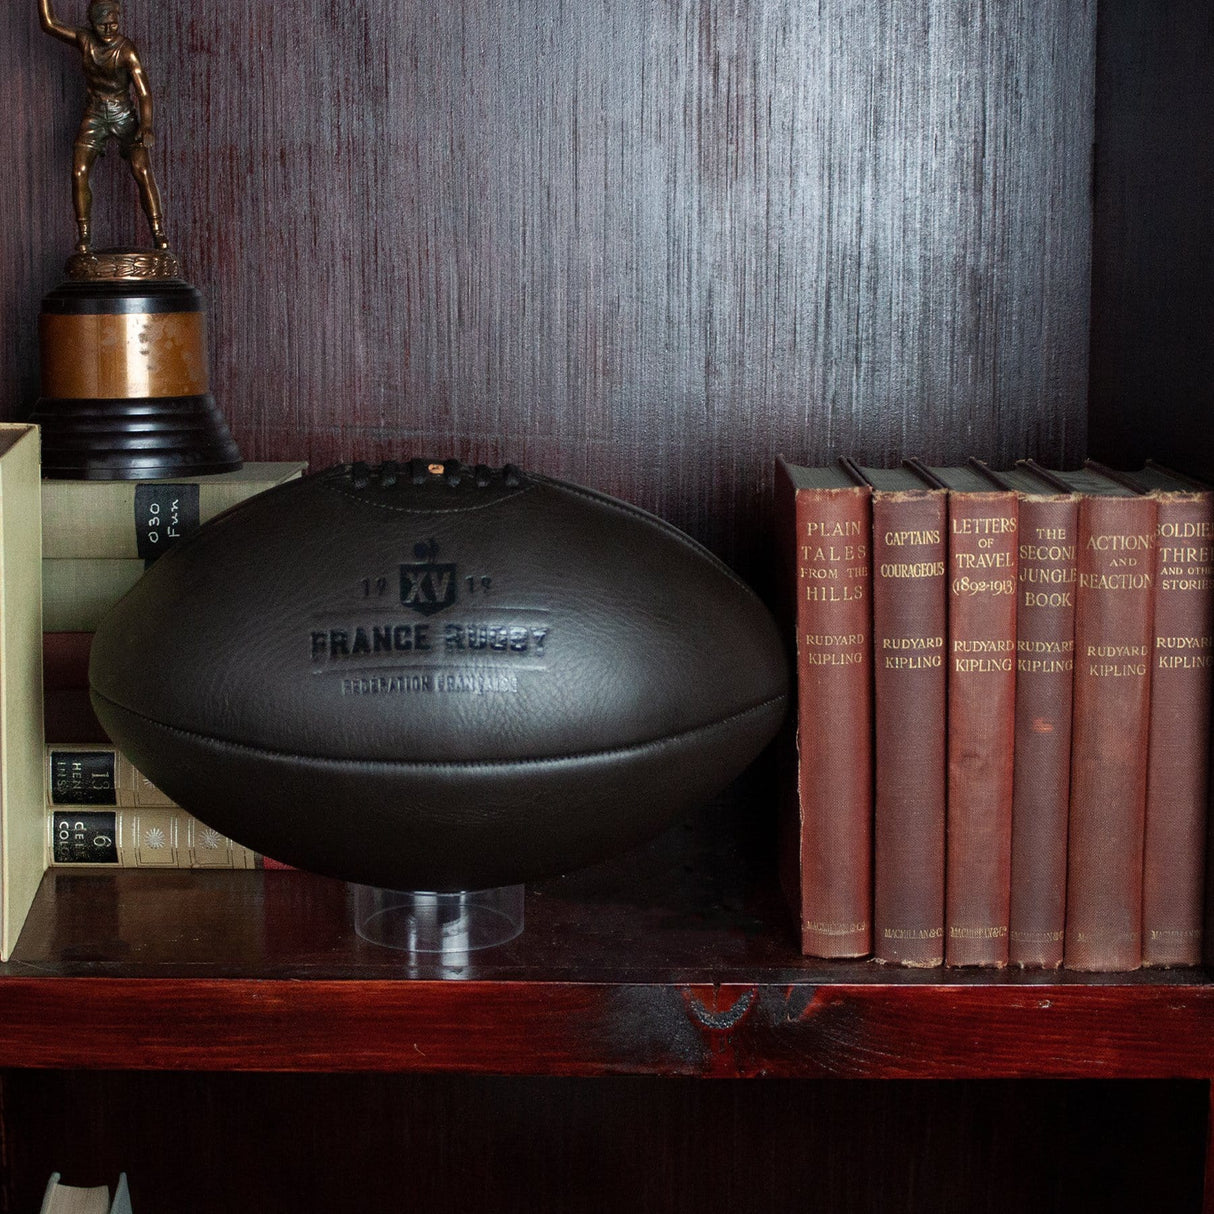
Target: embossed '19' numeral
482 583
374 587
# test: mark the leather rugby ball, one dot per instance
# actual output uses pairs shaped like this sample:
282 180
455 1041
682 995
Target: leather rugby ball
435 677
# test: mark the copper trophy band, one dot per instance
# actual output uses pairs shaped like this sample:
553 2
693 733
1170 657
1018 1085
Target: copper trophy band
125 391
124 355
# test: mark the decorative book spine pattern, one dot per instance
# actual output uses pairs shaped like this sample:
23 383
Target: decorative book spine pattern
909 678
1178 766
102 810
1114 602
91 774
982 556
834 736
123 837
1045 652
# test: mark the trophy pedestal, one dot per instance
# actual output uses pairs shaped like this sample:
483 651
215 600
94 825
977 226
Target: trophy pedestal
125 385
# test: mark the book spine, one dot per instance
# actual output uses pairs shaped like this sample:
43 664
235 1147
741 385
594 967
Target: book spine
834 735
122 520
69 718
125 519
982 555
97 775
121 837
101 810
1045 653
909 681
1178 761
1114 607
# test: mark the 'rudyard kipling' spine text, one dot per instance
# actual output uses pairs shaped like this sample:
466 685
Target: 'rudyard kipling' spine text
1045 653
834 737
910 621
1114 609
1178 761
982 555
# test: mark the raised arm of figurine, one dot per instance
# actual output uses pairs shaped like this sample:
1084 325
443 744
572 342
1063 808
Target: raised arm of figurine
65 32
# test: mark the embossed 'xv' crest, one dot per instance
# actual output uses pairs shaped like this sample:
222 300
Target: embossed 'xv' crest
427 587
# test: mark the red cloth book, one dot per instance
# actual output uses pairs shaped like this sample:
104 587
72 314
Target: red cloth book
826 522
1114 617
1045 663
910 621
1178 755
983 551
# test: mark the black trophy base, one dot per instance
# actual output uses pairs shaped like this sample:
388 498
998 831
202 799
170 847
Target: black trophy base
125 387
141 439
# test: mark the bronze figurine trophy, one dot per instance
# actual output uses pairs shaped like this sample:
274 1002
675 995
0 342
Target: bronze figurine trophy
125 384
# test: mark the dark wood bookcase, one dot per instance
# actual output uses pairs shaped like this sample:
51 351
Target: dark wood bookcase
646 246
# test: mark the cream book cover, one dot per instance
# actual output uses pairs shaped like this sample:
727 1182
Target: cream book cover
22 804
135 520
76 593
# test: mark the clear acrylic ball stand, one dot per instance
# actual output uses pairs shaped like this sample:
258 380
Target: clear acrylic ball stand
444 926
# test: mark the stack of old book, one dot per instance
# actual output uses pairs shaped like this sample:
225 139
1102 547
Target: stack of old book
68 551
1004 683
98 538
103 812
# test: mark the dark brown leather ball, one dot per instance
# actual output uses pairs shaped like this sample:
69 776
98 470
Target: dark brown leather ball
429 676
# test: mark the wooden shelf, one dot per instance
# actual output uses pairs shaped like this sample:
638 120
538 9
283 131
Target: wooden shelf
677 959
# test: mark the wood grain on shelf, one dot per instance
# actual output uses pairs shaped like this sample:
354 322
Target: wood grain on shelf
263 971
870 1030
